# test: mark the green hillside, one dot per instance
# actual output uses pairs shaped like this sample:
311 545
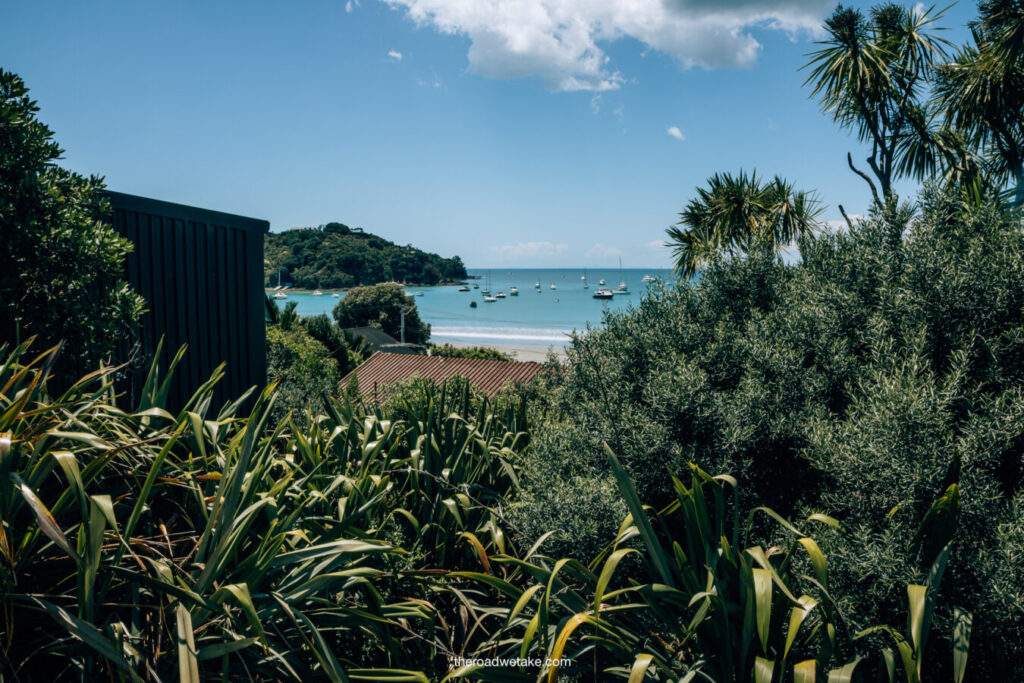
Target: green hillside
335 255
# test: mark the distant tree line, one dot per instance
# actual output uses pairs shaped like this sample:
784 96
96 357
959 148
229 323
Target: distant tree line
335 255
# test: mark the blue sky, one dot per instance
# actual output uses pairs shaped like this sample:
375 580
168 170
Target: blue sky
510 132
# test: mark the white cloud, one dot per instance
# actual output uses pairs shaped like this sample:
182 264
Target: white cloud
839 224
529 250
394 55
351 5
595 104
676 133
560 40
656 245
602 251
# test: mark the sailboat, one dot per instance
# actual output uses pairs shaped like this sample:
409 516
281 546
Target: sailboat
622 288
584 278
278 291
317 292
487 289
513 291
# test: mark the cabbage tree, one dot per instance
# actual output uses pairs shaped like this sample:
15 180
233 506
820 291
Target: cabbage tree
871 75
738 214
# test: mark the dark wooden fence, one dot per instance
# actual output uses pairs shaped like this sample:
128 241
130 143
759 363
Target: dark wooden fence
201 273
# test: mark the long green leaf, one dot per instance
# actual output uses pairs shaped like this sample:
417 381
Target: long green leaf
188 664
962 624
654 549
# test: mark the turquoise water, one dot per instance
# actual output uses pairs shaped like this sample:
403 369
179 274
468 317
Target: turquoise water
543 318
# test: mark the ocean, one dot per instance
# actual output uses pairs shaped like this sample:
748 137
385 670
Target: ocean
536 318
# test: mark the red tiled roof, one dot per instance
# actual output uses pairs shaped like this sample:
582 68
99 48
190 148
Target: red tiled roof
489 376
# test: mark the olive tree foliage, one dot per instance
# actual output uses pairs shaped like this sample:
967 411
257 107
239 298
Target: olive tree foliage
62 274
858 382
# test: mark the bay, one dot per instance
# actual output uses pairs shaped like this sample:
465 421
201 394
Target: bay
536 318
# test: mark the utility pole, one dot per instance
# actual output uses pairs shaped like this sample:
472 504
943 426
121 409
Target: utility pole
402 310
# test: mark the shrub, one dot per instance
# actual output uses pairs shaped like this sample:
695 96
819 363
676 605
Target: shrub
199 545
325 331
305 369
480 352
684 592
62 278
852 381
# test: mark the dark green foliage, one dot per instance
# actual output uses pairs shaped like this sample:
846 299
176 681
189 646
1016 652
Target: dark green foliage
308 355
359 349
325 331
305 368
215 545
62 277
381 306
285 318
479 352
335 255
851 382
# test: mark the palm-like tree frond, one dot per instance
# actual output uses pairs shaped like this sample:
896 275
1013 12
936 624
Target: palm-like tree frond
981 94
1004 21
737 214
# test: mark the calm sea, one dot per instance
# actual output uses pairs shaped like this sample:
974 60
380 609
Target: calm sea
535 318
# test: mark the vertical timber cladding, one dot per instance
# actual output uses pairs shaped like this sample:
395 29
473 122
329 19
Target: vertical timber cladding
201 273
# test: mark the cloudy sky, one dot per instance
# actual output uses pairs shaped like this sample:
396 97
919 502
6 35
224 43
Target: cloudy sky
511 132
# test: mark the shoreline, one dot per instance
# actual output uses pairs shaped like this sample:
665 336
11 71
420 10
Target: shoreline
331 290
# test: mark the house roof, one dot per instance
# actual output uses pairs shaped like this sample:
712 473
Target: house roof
374 335
379 340
383 369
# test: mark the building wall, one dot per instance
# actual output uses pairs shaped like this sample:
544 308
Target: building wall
201 273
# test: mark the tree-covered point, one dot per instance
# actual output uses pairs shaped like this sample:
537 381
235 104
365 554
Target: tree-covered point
335 255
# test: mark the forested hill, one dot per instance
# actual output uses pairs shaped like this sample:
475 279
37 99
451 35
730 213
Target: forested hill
335 255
